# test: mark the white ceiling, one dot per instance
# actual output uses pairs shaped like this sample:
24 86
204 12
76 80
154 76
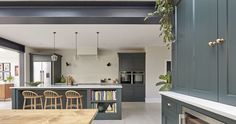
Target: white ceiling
111 36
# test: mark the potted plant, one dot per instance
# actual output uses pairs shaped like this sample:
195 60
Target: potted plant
165 84
10 79
165 10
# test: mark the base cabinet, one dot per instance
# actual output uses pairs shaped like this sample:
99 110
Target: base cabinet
171 109
169 119
5 91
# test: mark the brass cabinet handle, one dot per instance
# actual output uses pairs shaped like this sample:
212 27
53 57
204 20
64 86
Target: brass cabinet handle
212 43
220 41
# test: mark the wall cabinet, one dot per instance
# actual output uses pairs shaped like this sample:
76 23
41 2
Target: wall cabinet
131 61
204 49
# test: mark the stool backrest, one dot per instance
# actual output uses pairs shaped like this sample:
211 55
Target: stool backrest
28 93
72 93
50 93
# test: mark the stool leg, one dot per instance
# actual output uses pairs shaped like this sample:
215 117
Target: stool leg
45 103
77 103
55 103
35 107
66 103
61 103
41 103
71 103
51 103
31 103
24 103
81 104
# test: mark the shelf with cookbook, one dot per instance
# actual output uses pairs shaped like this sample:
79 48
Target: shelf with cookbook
108 103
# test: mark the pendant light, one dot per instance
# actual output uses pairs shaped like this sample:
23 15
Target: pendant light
97 42
54 57
97 39
76 43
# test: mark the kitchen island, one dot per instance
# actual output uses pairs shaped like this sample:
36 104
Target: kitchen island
92 97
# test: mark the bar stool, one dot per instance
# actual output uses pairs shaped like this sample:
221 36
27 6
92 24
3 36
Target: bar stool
73 95
53 96
32 96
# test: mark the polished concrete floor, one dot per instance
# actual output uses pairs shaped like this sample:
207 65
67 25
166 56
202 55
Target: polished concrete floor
132 113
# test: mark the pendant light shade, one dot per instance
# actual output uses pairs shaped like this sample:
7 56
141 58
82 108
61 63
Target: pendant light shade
54 57
76 47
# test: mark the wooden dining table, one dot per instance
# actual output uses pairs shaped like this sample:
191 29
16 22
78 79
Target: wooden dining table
63 116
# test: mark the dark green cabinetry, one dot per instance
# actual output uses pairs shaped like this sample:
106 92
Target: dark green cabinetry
171 109
227 58
133 63
201 70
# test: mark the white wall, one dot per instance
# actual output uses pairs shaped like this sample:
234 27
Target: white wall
156 57
90 69
12 57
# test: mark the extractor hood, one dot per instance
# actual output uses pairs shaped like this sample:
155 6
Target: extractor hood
87 51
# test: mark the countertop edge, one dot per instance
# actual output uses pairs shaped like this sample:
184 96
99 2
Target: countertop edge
72 87
211 106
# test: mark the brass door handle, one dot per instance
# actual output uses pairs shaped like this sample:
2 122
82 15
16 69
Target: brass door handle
212 43
220 41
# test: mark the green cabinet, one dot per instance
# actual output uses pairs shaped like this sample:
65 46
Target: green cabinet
131 61
199 69
172 109
227 50
204 60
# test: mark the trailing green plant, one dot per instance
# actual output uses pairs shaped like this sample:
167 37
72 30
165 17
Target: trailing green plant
165 10
165 84
10 78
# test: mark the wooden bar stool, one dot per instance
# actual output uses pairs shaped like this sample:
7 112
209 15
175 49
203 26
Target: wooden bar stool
73 95
32 96
53 97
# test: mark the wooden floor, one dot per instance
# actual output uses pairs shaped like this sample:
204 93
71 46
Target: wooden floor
132 113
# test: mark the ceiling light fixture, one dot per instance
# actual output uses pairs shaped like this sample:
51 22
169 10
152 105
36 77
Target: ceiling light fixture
97 39
54 57
76 45
97 42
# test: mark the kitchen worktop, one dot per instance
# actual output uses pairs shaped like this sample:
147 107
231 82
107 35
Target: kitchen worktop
82 116
211 106
76 86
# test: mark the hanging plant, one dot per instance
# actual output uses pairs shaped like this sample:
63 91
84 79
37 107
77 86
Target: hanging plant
165 10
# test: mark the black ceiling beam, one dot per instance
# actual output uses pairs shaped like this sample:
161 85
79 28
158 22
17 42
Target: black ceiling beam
77 3
12 45
76 12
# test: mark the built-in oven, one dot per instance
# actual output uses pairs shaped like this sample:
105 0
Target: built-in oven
190 116
138 77
126 77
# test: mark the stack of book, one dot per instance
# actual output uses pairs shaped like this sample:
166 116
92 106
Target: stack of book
103 95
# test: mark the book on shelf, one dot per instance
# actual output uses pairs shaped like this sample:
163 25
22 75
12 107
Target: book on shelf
103 95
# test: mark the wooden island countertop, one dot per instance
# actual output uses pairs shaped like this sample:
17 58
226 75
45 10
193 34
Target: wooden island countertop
75 116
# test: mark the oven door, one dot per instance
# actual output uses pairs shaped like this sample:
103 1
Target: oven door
192 117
